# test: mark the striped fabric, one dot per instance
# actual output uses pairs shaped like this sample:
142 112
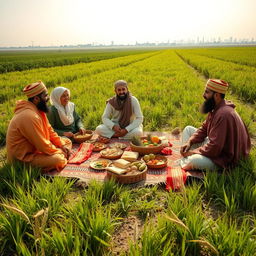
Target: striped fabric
176 178
34 89
217 85
84 152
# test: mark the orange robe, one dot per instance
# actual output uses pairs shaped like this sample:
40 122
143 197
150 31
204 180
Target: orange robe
30 138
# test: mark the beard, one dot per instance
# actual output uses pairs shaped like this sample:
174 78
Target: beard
42 106
122 97
208 106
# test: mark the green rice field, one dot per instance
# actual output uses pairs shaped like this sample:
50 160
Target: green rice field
53 216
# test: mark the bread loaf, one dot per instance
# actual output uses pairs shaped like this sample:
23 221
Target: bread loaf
130 156
121 163
116 170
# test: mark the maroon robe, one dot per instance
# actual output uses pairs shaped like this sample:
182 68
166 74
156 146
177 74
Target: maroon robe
229 140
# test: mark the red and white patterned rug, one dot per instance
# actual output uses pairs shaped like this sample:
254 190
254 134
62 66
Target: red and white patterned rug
85 173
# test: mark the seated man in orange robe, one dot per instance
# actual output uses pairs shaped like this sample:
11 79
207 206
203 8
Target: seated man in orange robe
30 138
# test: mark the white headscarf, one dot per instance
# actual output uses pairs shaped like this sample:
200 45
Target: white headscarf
65 113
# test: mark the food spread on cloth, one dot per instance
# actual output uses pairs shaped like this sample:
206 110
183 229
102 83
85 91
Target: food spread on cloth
82 136
98 146
100 164
130 155
125 167
149 141
118 145
126 163
111 153
155 161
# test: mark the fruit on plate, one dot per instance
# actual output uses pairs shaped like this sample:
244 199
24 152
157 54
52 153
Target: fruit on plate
131 169
149 157
136 166
152 159
149 141
155 139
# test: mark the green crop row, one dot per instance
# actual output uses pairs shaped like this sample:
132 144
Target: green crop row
240 55
23 60
242 79
168 90
12 83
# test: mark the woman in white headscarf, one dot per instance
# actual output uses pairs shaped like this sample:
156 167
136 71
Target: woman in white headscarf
62 115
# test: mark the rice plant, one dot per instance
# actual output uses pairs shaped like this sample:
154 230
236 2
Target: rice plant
95 224
231 238
64 240
17 174
124 203
19 233
154 241
51 193
104 192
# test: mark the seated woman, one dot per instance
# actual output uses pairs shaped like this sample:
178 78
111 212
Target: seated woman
62 115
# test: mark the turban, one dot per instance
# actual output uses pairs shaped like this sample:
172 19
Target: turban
34 89
217 85
120 83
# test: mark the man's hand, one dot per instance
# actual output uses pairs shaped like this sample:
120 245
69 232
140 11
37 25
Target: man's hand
185 148
116 128
68 134
189 153
66 151
82 131
123 132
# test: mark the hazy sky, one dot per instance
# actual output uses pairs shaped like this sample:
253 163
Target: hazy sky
58 22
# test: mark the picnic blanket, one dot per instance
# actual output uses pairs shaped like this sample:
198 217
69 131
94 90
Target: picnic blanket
85 173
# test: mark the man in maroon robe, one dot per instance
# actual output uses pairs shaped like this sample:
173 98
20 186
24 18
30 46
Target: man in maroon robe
222 140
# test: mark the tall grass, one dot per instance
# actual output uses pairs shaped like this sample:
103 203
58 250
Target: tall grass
95 223
231 238
234 189
17 174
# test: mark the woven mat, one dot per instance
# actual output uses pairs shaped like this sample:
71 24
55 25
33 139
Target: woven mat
154 176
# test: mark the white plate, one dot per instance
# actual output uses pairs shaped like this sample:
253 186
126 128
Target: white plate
100 164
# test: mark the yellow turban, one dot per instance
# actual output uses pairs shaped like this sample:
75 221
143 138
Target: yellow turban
34 89
217 85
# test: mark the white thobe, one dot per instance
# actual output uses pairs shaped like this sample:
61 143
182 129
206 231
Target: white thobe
111 117
195 161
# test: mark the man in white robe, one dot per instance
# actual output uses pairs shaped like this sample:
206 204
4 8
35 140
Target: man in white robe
122 117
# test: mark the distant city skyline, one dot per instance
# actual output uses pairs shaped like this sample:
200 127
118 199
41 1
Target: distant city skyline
183 42
120 22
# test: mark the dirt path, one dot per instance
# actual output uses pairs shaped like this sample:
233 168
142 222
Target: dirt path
127 233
